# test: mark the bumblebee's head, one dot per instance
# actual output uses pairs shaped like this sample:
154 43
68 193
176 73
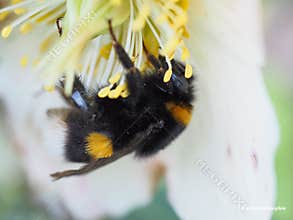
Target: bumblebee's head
182 88
178 89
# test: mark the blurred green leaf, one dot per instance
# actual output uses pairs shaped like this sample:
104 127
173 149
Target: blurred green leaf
158 209
282 97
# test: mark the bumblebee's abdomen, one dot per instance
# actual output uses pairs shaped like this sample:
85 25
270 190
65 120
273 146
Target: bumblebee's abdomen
182 114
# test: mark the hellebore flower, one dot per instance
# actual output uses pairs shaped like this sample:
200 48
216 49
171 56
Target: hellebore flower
221 167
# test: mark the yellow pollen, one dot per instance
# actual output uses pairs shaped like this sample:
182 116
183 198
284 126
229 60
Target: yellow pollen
19 11
104 92
168 75
114 79
26 28
6 31
114 94
24 61
124 94
188 71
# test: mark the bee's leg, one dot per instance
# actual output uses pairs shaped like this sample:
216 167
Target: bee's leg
137 140
156 139
178 67
134 78
78 97
84 169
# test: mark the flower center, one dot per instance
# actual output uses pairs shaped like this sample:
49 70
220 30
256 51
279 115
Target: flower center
85 46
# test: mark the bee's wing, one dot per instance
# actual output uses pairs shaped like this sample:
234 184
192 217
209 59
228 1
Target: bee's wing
59 114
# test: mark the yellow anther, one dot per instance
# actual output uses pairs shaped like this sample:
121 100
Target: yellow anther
139 21
24 61
46 16
124 94
188 71
114 94
184 4
19 11
114 79
3 15
105 50
168 75
26 28
185 33
6 31
104 92
185 54
180 21
49 88
133 58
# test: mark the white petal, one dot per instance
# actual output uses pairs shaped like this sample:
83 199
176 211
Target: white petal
234 129
112 190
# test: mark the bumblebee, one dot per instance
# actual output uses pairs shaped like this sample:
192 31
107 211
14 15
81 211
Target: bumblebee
102 130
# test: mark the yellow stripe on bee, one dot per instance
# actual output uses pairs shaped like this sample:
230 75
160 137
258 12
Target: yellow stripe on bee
99 145
181 114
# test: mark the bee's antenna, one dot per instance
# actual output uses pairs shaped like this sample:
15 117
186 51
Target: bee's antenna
111 30
123 56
